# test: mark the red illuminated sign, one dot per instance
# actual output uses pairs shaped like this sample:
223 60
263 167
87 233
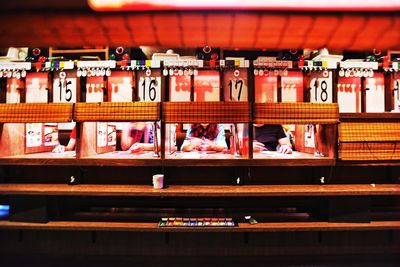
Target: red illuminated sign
141 5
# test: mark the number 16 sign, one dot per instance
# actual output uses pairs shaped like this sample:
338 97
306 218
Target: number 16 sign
149 86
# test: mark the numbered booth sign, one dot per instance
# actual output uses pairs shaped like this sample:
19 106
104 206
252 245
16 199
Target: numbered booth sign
396 92
349 94
235 85
12 92
375 93
179 88
149 85
94 89
206 85
321 87
64 87
266 86
120 86
37 87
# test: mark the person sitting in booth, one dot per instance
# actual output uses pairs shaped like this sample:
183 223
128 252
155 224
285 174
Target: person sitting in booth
71 143
138 137
205 137
271 137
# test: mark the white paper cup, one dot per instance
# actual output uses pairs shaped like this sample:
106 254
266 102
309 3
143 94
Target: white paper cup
158 181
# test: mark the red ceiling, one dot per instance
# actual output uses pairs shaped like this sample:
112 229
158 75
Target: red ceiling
272 30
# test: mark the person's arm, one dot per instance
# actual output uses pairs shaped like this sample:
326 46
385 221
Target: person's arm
220 141
190 143
285 146
71 144
257 146
126 139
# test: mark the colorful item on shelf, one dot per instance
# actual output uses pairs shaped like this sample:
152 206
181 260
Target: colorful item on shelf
196 222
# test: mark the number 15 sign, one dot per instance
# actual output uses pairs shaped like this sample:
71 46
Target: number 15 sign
64 87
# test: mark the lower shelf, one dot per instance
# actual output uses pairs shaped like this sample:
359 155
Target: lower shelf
243 227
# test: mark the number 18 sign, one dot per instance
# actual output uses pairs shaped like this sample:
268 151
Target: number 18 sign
321 87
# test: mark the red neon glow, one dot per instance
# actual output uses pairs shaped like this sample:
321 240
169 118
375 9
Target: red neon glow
141 5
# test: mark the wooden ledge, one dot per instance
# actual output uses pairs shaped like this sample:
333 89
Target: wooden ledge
201 190
379 117
243 227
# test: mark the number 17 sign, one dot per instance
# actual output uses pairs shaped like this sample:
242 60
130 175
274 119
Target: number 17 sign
235 85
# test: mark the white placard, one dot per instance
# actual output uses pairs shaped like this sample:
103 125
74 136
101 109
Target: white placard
15 65
206 86
396 95
97 64
292 87
149 88
179 88
349 94
102 134
12 93
120 86
289 93
321 87
64 90
375 95
33 134
36 87
94 89
359 64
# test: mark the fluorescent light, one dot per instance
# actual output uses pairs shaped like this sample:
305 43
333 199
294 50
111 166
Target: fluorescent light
355 5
